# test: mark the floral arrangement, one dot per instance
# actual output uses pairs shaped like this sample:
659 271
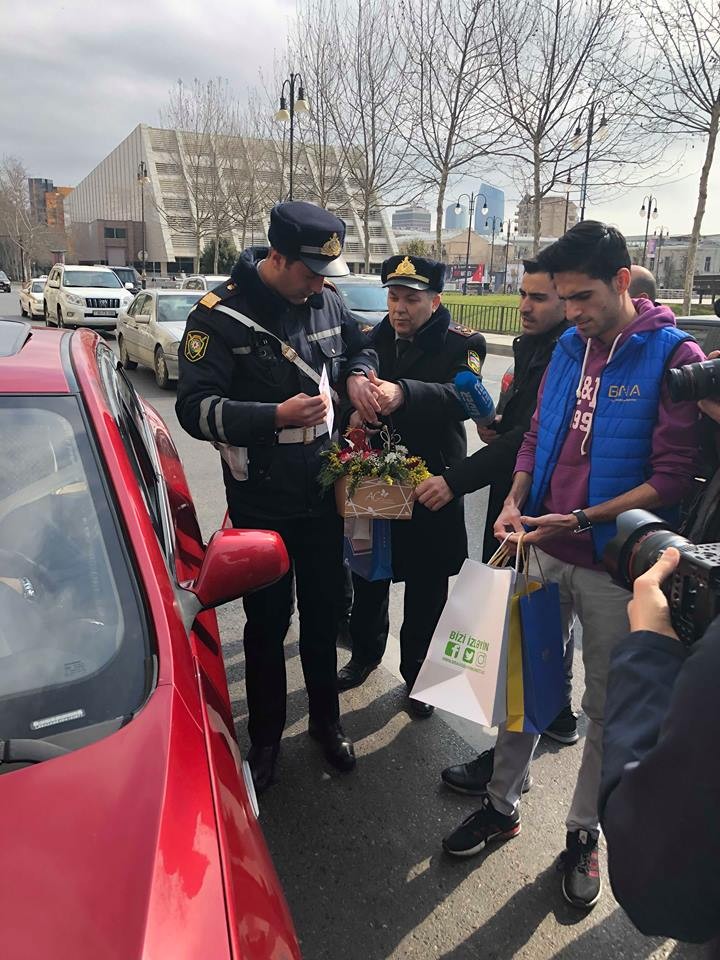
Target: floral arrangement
358 461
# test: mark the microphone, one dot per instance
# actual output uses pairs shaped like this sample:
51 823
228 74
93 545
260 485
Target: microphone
477 402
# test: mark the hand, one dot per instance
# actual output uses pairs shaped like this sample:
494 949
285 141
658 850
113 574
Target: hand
363 395
711 408
301 411
487 434
356 420
649 609
433 493
508 522
390 395
548 526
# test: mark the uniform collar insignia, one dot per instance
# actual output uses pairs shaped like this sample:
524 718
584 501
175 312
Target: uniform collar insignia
331 247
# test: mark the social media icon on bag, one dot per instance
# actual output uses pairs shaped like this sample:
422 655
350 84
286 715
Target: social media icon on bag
468 655
452 649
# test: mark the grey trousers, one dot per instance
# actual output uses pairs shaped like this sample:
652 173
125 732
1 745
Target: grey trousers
601 607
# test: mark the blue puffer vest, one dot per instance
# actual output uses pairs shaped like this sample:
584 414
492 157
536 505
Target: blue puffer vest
625 416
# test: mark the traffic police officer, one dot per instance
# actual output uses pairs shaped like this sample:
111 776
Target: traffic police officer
250 365
420 352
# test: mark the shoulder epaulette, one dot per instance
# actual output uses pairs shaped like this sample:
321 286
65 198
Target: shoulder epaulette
329 283
213 297
463 331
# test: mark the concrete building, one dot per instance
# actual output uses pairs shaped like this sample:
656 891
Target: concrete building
411 219
189 194
666 257
557 214
37 188
496 208
456 221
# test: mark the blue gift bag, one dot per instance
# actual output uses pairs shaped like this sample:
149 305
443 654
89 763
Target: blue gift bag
369 555
536 674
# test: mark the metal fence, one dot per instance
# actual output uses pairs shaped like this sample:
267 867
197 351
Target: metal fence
487 318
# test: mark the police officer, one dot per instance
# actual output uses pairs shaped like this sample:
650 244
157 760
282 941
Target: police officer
251 362
419 352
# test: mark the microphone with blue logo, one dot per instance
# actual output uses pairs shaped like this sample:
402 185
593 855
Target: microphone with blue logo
477 402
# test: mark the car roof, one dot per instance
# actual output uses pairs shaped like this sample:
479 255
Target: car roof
78 266
31 359
170 292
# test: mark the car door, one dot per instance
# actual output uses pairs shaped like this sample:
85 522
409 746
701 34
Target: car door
144 334
129 328
51 292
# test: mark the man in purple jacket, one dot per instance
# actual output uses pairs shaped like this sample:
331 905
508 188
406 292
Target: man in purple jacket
605 438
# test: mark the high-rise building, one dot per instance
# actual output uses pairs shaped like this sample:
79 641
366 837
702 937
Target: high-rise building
37 188
557 214
411 219
456 221
104 211
495 208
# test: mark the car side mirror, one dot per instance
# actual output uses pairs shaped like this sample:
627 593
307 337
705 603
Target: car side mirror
129 286
237 562
142 318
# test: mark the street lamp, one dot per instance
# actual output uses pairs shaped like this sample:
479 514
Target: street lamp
471 198
568 184
143 178
651 211
495 222
284 114
599 132
507 250
664 234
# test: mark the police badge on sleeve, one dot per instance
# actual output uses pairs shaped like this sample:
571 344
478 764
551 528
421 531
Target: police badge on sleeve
195 345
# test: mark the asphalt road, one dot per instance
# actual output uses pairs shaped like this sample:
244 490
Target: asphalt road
359 855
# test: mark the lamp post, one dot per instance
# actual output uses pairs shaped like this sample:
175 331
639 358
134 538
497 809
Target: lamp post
577 141
143 178
284 114
651 211
568 184
664 234
495 223
507 251
471 198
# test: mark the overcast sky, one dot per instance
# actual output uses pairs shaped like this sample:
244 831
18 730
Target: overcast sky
79 76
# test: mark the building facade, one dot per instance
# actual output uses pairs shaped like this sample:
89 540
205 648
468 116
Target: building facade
495 208
174 192
456 221
557 215
666 257
411 219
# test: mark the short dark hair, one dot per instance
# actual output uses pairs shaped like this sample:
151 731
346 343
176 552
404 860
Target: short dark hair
534 266
589 247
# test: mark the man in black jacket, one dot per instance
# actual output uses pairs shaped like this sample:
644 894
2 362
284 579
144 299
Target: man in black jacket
420 351
250 364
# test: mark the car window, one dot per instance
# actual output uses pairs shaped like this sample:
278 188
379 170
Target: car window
363 296
74 643
140 304
37 286
91 278
175 307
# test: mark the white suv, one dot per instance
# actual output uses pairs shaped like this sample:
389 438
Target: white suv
83 297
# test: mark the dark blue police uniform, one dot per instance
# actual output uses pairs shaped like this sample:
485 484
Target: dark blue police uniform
245 350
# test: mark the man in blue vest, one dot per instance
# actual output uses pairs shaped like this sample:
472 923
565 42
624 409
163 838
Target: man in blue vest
605 438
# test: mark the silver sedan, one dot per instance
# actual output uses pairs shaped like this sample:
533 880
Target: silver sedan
150 330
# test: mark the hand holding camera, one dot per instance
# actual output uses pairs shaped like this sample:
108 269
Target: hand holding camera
649 608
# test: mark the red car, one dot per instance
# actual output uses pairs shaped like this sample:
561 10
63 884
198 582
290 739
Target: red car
130 826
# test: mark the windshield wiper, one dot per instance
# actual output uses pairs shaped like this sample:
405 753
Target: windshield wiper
29 751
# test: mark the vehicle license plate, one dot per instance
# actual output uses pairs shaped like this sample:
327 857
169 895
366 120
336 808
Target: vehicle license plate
104 313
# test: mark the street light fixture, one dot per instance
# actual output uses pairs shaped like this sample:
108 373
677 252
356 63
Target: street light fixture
664 234
586 136
495 223
652 211
143 178
507 249
289 106
471 198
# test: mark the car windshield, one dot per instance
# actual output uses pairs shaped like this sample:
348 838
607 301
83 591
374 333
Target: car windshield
3 275
364 296
176 307
37 286
73 640
90 278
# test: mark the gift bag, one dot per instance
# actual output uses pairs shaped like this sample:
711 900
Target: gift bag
367 548
465 670
536 674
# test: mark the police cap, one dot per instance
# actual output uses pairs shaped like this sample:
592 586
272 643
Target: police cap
416 272
313 235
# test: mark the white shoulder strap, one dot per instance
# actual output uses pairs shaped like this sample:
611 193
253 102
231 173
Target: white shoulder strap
287 351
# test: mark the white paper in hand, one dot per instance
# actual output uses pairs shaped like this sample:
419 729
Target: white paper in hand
326 392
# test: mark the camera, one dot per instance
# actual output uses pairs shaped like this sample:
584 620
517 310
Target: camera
693 590
694 381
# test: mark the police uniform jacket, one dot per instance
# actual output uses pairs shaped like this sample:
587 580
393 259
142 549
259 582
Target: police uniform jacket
430 424
232 378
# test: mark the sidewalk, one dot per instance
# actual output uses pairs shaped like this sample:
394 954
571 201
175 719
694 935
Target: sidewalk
500 343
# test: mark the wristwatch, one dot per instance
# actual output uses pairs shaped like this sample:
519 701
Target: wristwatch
357 372
583 523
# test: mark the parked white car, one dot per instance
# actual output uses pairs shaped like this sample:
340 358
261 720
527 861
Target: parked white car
206 282
31 297
83 297
150 330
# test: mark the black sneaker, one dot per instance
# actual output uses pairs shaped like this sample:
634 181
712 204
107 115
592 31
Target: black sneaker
564 727
479 828
472 778
581 883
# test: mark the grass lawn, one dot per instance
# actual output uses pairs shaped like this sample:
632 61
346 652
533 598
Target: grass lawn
512 300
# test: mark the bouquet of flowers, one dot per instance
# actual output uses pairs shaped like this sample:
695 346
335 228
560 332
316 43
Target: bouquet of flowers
372 483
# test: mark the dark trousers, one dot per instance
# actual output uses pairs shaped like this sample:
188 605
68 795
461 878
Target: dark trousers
425 597
315 549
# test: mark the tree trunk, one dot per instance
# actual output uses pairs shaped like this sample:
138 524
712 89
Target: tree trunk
700 209
216 259
366 231
536 198
439 212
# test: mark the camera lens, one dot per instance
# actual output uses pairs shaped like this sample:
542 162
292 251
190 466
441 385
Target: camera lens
640 539
694 381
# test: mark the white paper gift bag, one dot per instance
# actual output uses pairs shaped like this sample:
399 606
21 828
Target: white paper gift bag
465 670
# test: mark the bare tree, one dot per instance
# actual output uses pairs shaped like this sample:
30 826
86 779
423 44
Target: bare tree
682 95
27 238
452 63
